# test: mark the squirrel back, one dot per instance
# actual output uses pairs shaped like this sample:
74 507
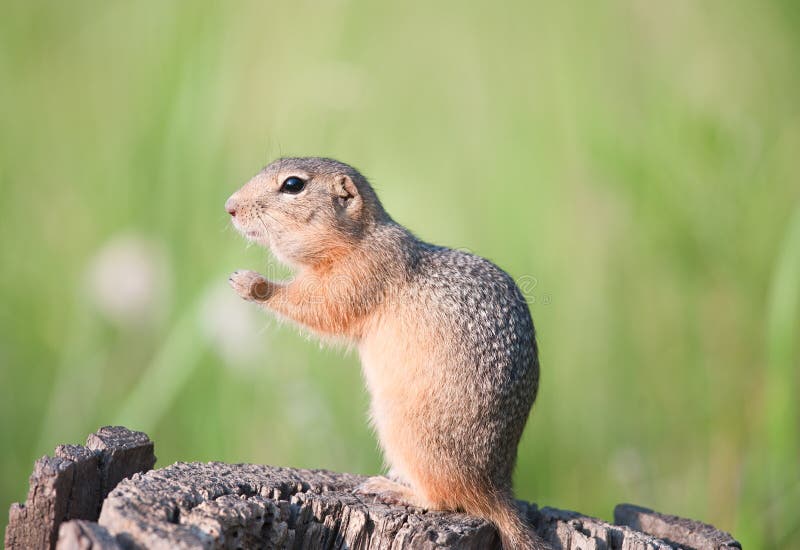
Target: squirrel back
455 379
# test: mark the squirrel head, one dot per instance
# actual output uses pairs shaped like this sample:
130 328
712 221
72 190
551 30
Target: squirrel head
308 211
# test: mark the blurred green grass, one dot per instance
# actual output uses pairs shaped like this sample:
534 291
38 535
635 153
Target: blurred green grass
636 162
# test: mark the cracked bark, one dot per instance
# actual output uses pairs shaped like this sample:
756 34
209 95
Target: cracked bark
73 484
217 505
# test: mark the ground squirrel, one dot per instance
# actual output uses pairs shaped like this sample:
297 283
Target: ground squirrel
446 340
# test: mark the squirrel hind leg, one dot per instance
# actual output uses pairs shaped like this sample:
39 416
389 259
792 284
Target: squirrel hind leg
389 491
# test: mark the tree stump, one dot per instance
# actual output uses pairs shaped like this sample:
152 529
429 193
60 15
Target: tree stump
73 484
217 505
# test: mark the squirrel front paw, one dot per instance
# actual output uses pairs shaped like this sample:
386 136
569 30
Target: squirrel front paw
250 285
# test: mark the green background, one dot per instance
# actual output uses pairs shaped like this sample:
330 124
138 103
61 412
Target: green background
634 164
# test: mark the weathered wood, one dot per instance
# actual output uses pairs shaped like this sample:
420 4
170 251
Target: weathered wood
684 532
216 505
85 535
35 523
73 484
83 499
122 453
219 505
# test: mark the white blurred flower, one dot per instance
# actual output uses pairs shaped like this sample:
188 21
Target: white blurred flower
233 327
128 280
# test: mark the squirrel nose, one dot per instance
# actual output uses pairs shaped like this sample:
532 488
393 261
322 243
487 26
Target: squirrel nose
230 206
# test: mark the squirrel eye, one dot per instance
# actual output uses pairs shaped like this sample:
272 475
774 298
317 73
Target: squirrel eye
292 185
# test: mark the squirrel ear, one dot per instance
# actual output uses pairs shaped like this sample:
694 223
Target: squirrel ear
347 194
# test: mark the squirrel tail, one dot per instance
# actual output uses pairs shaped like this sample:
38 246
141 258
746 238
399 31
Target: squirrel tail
515 533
